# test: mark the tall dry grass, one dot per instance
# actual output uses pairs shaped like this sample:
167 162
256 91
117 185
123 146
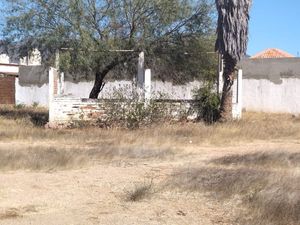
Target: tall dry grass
17 124
43 158
266 184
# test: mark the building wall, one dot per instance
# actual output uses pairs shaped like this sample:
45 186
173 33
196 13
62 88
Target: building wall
271 85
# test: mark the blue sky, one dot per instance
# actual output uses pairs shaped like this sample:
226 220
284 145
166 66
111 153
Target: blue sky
275 24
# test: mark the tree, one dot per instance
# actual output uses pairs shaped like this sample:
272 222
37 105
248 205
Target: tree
90 33
232 40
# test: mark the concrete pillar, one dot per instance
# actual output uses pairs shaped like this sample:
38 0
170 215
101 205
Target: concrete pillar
220 74
51 93
141 70
53 90
140 77
237 100
61 87
147 87
51 84
240 89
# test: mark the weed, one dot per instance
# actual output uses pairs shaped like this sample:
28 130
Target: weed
207 103
140 191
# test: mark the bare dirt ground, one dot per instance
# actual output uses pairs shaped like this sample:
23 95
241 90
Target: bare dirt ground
92 176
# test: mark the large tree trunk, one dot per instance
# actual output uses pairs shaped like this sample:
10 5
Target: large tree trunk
98 85
99 78
100 75
226 101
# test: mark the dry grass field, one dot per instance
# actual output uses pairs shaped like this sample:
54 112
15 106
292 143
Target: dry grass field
245 172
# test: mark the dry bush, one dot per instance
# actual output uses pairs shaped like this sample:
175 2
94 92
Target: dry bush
10 213
13 213
268 159
224 183
278 203
140 192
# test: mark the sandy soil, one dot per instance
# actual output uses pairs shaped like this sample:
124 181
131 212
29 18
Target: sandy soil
96 194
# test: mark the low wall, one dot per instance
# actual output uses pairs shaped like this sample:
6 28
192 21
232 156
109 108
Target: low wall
65 110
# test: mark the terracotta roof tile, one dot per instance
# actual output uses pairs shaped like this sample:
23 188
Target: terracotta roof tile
272 53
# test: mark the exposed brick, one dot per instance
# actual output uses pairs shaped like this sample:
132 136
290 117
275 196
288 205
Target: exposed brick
7 90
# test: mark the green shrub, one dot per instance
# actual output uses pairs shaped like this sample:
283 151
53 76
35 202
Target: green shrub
207 103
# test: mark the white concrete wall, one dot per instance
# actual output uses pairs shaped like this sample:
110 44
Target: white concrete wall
258 94
28 95
83 89
266 96
170 91
166 89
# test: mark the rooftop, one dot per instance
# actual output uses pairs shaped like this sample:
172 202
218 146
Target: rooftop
271 53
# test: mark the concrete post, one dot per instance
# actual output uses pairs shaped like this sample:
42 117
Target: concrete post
240 91
53 90
147 87
220 74
51 84
140 77
237 105
141 70
61 87
51 93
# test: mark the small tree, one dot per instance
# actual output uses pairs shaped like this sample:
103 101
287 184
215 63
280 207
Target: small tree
232 40
91 31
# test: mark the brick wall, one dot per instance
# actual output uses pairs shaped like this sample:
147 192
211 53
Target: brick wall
65 110
7 90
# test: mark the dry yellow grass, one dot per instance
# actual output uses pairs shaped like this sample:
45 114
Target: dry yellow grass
253 127
261 186
267 185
